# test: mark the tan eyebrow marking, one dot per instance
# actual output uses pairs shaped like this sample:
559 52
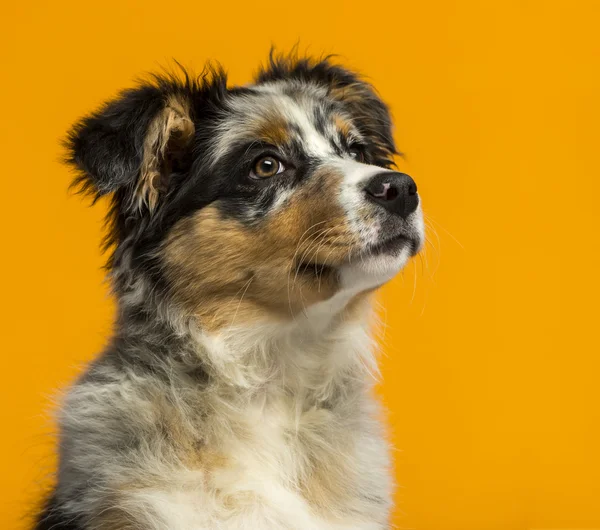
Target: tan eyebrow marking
272 129
342 125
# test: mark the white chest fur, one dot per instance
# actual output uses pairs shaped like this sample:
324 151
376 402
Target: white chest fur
277 471
284 435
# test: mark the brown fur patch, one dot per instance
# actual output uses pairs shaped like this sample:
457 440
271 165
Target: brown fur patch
351 93
273 130
170 131
326 485
222 271
325 492
343 125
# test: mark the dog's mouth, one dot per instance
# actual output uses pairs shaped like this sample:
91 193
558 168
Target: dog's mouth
388 247
392 245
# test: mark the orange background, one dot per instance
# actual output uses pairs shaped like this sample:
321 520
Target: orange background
492 368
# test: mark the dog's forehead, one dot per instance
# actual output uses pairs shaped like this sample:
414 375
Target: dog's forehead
280 113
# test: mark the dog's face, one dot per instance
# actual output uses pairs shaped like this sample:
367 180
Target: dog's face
278 195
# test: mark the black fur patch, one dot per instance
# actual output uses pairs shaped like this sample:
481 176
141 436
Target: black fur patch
53 517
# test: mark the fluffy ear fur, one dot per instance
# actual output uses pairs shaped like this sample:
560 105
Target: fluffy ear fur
136 148
358 97
134 142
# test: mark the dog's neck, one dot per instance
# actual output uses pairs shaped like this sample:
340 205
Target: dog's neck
315 354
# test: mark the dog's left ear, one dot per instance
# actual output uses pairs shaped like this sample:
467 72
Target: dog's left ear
134 143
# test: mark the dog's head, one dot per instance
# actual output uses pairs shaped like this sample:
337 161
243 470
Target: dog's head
279 194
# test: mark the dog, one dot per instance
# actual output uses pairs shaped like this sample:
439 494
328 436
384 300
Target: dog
248 228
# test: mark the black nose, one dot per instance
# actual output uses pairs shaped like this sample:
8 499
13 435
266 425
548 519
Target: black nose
396 192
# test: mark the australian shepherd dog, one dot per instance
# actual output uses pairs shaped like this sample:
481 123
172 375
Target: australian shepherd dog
248 229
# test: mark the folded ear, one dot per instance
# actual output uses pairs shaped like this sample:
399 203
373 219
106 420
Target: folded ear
371 113
134 142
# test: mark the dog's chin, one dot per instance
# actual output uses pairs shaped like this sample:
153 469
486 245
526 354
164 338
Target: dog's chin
378 263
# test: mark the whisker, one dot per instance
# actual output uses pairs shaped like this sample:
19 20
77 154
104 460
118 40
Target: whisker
447 232
300 240
309 249
247 285
325 261
412 298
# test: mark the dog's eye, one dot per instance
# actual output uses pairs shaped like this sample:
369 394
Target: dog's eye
266 166
357 152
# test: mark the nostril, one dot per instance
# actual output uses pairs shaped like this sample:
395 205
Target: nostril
412 188
381 193
392 193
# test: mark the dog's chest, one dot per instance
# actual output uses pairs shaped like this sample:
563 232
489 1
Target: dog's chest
282 470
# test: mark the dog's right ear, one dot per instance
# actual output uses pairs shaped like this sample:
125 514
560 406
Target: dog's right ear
134 142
